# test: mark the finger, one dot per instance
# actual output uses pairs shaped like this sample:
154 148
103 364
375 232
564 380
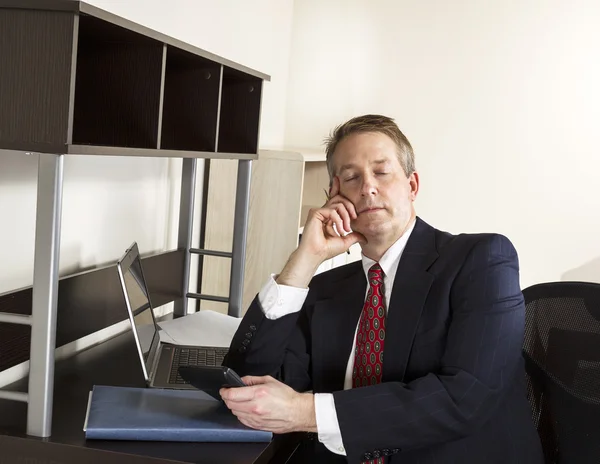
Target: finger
330 230
244 407
347 204
238 393
249 423
335 218
336 197
340 208
335 187
257 380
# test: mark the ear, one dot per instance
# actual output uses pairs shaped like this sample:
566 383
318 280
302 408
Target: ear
413 181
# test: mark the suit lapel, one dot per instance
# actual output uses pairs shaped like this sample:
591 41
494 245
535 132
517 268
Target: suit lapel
411 286
335 321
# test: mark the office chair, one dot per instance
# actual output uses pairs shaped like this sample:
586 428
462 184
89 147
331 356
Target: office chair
562 359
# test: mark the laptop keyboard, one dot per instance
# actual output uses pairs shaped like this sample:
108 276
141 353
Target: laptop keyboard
200 356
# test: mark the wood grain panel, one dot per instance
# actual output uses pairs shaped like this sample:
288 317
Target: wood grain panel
316 183
117 90
275 193
35 64
273 224
87 302
218 234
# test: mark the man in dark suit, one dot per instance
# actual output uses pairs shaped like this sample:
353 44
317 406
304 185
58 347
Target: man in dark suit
446 310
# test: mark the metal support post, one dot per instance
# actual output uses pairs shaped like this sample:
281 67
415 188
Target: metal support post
15 318
240 228
45 295
186 222
13 396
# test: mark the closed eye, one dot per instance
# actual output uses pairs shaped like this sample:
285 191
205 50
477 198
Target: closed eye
348 179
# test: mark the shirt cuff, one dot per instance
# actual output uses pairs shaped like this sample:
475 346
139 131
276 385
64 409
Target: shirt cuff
328 427
280 300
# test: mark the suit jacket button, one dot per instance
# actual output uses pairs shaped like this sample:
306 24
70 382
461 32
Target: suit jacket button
376 454
246 342
249 335
386 452
253 328
395 451
242 349
368 456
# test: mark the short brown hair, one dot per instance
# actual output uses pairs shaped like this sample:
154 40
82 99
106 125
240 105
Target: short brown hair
371 123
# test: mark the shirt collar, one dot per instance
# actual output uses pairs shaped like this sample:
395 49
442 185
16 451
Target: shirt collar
391 258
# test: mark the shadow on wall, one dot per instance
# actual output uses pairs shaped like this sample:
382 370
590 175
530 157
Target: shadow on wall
588 272
17 167
118 169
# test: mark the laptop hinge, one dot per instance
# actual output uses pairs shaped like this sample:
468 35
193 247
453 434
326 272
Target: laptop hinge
153 357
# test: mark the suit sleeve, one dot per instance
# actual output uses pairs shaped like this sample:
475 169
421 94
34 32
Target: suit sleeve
482 354
278 347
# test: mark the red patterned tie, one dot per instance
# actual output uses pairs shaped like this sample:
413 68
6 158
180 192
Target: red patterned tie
370 336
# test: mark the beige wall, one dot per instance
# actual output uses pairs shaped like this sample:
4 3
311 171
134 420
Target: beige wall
501 102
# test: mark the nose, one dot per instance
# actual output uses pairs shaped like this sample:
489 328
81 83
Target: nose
368 187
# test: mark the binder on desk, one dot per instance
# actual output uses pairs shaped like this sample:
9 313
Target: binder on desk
148 414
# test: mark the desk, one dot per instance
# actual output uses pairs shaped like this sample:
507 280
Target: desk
73 88
113 362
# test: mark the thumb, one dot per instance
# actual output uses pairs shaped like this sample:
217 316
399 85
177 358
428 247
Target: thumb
352 238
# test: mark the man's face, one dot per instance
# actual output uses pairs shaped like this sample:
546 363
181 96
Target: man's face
371 177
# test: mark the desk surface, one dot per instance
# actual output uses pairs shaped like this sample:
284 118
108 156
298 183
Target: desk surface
113 362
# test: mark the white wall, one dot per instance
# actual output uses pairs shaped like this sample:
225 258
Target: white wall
254 33
500 100
103 210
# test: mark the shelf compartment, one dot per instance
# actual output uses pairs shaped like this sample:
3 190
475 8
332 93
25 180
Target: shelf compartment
191 101
240 112
117 89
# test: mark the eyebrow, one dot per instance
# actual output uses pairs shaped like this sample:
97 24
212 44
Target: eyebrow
349 166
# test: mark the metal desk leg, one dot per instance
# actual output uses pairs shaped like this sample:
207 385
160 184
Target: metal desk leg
240 229
45 295
186 222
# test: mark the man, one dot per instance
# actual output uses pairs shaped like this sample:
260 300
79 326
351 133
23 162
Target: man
446 310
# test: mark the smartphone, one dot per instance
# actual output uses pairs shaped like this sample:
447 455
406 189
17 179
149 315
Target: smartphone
211 379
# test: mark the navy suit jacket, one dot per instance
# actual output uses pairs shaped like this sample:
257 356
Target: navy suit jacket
453 384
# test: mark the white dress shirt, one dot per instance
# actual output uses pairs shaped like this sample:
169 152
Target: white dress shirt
279 300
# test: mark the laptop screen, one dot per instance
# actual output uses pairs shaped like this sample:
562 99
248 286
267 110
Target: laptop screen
136 294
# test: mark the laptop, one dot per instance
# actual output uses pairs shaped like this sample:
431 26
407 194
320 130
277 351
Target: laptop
160 360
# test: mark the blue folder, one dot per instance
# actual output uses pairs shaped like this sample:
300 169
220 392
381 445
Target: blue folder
148 414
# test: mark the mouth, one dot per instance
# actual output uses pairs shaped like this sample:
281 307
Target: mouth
369 210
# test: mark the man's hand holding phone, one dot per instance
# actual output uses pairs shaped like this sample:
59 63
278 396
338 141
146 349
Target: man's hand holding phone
270 405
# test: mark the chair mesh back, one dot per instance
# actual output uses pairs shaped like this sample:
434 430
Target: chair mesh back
562 356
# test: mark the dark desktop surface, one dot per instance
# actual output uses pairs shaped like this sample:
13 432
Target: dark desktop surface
114 362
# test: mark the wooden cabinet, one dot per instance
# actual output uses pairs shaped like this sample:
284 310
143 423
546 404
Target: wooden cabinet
78 80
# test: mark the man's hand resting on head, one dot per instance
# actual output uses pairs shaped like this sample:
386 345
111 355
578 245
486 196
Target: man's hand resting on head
269 405
320 241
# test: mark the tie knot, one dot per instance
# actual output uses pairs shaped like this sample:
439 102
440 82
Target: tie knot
376 273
